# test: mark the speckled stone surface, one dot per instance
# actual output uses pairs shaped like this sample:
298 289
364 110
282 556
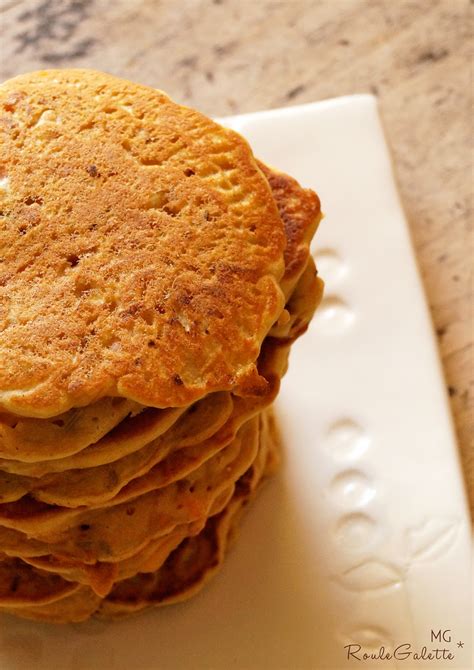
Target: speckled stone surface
234 56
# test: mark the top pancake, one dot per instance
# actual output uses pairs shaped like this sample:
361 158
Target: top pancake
141 248
35 440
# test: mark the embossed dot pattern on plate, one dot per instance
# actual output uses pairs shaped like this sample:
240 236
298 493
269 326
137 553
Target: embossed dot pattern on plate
333 316
330 265
346 440
352 487
355 530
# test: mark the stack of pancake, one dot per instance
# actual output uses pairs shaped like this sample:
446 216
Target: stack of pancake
153 276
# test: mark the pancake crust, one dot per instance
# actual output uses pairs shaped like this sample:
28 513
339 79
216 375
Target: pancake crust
141 248
300 210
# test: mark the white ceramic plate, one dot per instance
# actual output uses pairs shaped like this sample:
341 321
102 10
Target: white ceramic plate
363 539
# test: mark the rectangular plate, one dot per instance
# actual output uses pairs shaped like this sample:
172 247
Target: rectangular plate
363 538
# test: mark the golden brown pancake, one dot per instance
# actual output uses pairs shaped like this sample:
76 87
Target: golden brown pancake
21 585
169 579
17 544
94 487
89 486
36 440
100 576
197 558
139 238
74 608
109 532
300 306
130 435
33 517
160 293
30 440
300 211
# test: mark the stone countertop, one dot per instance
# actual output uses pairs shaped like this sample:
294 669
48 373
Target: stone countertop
234 56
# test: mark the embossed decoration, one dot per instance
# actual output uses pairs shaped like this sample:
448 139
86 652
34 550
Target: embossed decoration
371 575
370 638
352 487
331 265
334 316
346 439
355 531
432 538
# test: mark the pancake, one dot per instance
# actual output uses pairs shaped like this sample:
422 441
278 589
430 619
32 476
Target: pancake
75 608
164 460
32 516
190 566
21 585
31 440
300 210
100 576
130 435
180 574
99 485
166 273
108 533
301 305
272 365
162 467
135 231
90 486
